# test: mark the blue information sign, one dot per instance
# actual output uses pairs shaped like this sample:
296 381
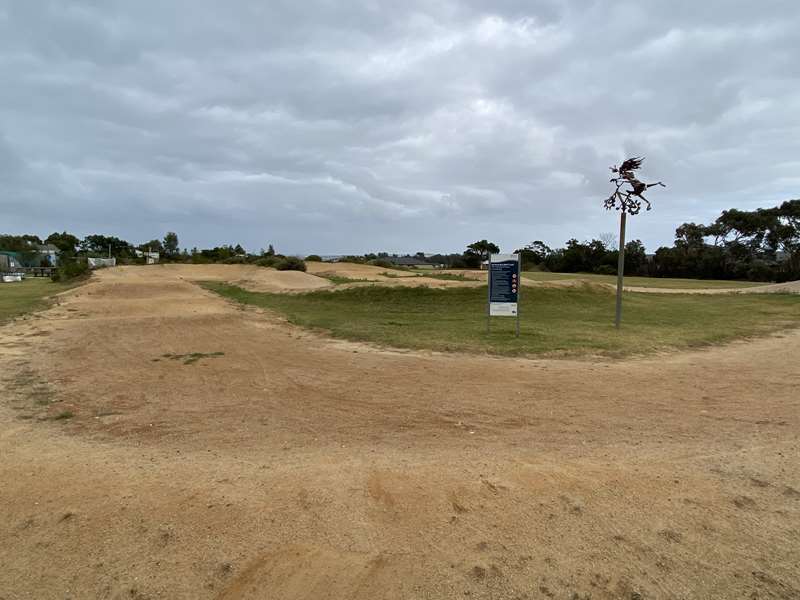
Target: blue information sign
504 281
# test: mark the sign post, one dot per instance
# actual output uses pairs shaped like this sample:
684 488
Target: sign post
504 285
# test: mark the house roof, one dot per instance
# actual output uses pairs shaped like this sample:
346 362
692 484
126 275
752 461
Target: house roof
407 260
47 248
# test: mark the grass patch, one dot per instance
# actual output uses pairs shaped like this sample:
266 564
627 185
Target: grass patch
396 276
653 282
66 414
446 276
27 296
192 357
339 279
569 322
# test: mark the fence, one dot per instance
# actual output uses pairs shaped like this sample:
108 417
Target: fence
30 271
97 263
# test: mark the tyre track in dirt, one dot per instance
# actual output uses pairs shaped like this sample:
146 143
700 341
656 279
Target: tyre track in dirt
293 466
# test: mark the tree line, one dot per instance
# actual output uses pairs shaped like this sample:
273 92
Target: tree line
758 245
98 245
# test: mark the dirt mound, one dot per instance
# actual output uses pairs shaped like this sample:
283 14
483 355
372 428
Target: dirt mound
790 287
419 281
475 274
356 271
251 277
370 275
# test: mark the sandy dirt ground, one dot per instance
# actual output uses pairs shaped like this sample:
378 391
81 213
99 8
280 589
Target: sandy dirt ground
368 275
251 277
790 287
356 271
215 452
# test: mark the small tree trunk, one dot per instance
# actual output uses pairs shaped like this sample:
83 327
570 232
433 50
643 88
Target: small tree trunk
620 267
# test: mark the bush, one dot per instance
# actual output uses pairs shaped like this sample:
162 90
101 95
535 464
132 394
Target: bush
267 261
605 270
235 260
383 263
313 258
290 263
534 268
760 272
70 270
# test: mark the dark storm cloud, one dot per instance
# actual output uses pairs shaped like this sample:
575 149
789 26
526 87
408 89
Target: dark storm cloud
353 126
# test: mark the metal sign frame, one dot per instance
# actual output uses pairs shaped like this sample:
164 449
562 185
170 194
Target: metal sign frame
512 271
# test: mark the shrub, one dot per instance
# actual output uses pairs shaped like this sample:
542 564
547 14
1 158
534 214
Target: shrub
760 272
70 270
383 263
531 267
290 263
605 270
267 261
313 258
235 260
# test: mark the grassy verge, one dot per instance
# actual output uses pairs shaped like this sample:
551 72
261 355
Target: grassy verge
554 321
654 282
446 276
339 279
31 294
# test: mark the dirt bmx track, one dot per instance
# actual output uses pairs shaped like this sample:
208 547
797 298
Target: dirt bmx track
280 464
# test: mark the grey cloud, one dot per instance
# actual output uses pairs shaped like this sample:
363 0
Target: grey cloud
337 127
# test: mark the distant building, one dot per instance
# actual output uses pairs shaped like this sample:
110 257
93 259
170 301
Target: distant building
39 255
408 261
9 261
48 253
151 258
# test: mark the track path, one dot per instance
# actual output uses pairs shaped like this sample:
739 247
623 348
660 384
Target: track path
278 464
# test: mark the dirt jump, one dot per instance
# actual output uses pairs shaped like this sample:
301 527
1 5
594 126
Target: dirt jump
160 442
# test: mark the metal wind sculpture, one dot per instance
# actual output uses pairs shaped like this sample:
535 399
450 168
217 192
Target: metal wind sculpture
629 200
626 198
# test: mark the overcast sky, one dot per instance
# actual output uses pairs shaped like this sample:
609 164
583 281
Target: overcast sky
354 126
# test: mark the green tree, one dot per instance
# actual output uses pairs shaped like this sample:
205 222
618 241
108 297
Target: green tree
535 253
100 245
483 248
635 258
65 242
152 246
171 244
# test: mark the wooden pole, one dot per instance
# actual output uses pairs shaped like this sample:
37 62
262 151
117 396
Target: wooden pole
489 293
620 267
519 288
